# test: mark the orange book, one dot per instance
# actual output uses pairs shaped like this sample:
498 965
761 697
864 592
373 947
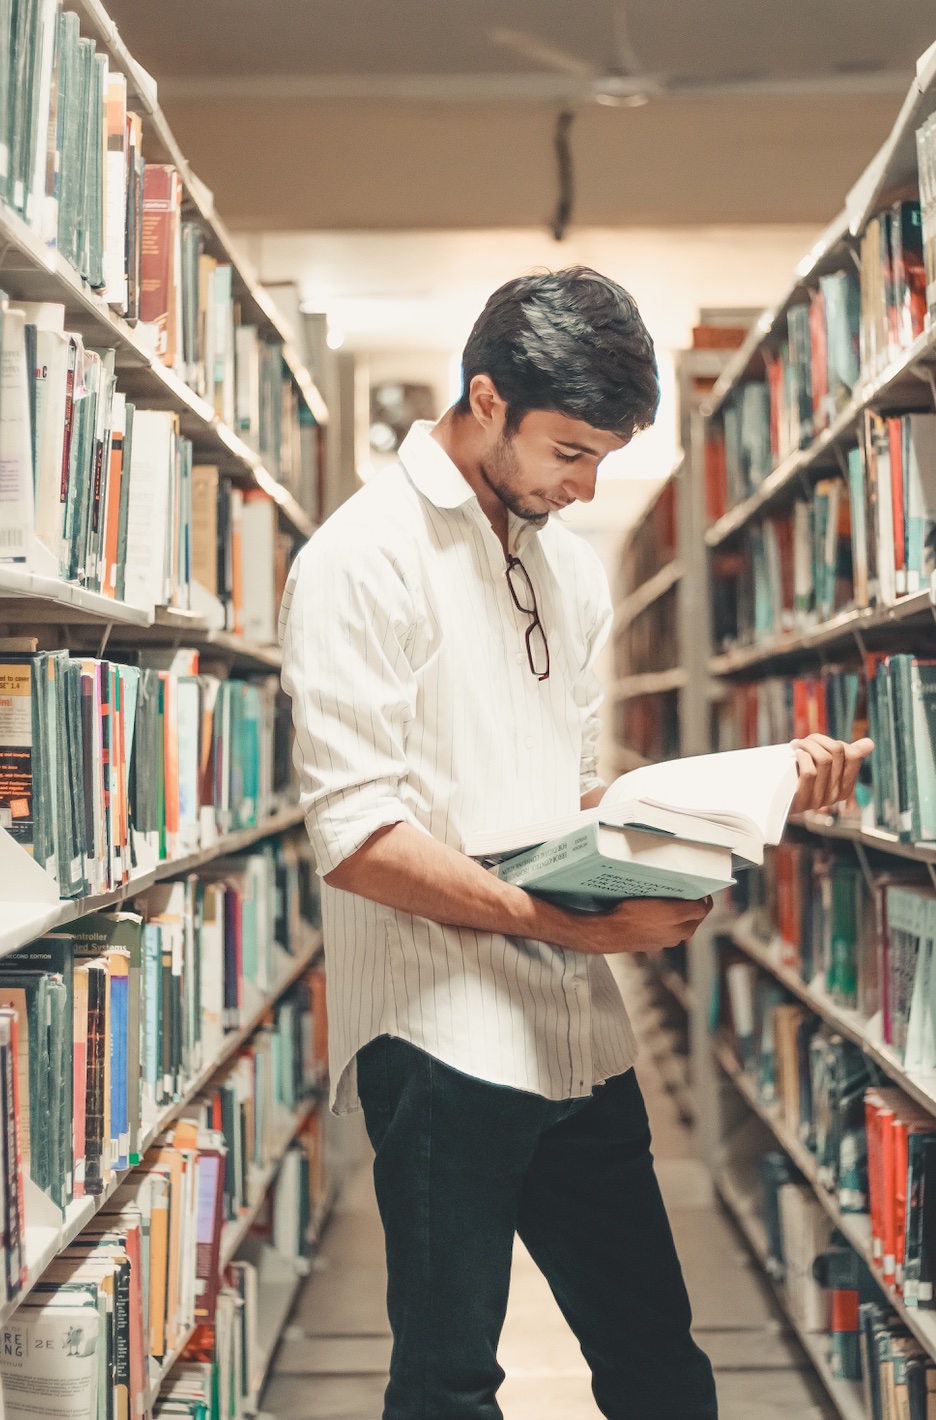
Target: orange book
112 514
895 446
888 1193
159 1261
172 1163
873 1105
237 561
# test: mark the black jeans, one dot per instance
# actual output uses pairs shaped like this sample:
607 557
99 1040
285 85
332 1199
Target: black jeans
461 1166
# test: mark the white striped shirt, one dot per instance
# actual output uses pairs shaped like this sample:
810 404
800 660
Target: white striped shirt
414 702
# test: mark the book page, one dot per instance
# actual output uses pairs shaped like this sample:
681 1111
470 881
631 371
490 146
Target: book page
747 787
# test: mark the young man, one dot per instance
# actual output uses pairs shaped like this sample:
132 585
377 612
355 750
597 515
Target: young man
440 634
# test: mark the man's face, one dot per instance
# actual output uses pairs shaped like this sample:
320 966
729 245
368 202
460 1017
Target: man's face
549 462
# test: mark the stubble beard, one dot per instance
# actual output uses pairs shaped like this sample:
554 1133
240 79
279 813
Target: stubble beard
500 472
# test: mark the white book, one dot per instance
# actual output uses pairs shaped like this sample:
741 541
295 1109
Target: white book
147 518
247 384
115 229
737 800
258 537
17 510
52 346
50 1366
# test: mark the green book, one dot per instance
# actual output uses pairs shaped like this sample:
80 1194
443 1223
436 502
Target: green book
7 90
69 191
908 805
596 866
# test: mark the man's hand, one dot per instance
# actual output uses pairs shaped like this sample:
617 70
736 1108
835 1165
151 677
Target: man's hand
828 771
640 924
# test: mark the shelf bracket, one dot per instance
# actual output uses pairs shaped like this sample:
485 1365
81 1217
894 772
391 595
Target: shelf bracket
860 642
931 869
865 868
841 459
105 637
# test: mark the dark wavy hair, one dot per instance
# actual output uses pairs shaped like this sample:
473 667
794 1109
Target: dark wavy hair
571 341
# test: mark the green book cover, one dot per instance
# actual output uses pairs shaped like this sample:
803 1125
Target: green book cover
68 113
28 993
884 759
53 954
921 730
594 867
124 509
7 90
97 142
843 977
84 88
908 804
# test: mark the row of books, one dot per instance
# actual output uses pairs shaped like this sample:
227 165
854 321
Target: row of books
145 1281
830 1291
108 768
133 1007
870 947
106 495
810 378
891 698
652 545
649 642
72 166
874 1149
222 1364
867 541
850 328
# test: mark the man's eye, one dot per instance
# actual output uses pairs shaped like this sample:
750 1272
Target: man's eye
566 458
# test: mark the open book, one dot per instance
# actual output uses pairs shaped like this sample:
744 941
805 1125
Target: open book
730 804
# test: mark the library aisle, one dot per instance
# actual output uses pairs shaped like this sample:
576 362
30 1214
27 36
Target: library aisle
332 1364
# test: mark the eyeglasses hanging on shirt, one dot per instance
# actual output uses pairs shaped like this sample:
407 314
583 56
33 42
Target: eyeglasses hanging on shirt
524 599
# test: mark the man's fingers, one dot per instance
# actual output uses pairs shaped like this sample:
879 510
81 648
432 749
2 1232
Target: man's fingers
807 779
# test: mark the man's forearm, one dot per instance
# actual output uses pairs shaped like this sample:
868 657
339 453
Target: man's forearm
412 872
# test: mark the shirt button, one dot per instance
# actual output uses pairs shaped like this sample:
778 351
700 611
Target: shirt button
529 741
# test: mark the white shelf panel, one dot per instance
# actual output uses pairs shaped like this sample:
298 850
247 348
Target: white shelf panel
14 936
44 1244
856 1227
846 1396
841 629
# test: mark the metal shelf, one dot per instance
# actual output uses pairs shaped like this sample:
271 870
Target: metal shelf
847 626
70 908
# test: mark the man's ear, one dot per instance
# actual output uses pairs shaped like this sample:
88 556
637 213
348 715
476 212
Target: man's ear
486 404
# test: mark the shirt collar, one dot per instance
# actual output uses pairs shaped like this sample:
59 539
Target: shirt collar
431 469
439 480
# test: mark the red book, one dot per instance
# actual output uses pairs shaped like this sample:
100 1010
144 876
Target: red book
162 204
873 1104
716 480
895 445
800 709
819 360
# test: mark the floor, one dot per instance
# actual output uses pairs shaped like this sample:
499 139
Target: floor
332 1364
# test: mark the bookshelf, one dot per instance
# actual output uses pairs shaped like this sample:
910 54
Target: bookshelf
774 629
38 603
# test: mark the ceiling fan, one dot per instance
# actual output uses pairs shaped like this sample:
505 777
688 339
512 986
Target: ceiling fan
626 84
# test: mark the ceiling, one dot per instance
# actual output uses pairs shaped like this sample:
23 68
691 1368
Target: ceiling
364 114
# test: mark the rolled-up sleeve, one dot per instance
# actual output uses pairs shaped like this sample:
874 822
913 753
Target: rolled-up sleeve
346 621
589 692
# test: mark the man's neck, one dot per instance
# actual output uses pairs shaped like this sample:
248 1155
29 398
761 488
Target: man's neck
458 437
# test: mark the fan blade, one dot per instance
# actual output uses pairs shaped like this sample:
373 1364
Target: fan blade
767 86
625 56
527 46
